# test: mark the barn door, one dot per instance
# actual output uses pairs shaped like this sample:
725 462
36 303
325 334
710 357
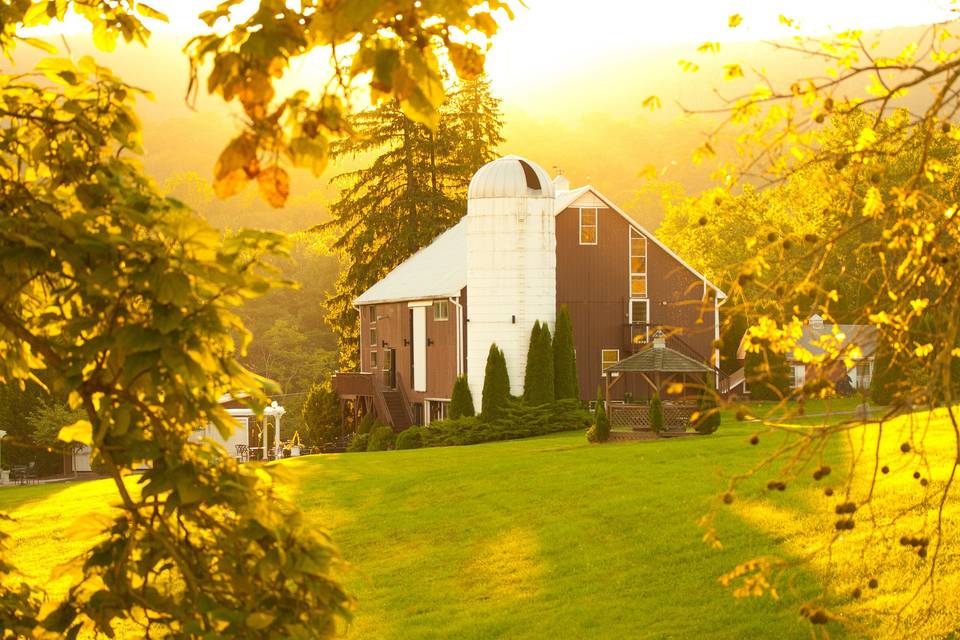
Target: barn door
419 348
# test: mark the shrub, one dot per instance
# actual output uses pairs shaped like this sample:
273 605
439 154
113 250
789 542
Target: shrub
381 438
496 385
518 420
410 439
767 374
366 424
564 358
461 401
707 418
600 431
656 414
359 443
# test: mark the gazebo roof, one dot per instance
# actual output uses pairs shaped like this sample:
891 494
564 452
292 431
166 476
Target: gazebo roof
659 358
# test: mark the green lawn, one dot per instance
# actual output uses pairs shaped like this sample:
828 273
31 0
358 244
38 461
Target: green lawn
539 538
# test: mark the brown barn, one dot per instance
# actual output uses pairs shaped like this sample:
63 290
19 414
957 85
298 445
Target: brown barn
528 245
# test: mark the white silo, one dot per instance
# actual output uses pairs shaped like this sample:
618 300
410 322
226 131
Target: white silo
511 264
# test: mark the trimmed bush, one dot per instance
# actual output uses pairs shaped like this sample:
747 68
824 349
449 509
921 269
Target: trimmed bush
359 443
461 401
707 418
538 382
410 439
564 358
518 420
381 439
496 385
656 414
600 431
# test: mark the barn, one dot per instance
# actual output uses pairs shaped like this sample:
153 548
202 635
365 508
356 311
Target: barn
528 245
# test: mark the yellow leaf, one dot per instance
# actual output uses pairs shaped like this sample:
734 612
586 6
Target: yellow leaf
150 12
37 43
231 184
104 38
734 20
676 387
732 71
80 431
274 186
652 103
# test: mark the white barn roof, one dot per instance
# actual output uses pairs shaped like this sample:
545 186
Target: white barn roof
439 270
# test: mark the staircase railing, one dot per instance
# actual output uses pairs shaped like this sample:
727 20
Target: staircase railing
406 401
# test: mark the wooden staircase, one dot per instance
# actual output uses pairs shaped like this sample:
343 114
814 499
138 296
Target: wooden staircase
396 407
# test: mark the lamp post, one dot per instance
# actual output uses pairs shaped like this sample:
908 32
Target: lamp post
3 434
276 411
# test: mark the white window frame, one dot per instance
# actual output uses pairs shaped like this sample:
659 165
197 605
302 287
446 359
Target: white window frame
635 234
646 320
595 225
602 361
429 402
441 304
868 363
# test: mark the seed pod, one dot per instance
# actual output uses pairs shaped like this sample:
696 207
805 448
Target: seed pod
856 593
828 491
922 552
727 498
885 469
905 447
819 617
873 584
916 475
754 440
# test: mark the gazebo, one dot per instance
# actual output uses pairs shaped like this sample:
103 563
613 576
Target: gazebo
658 365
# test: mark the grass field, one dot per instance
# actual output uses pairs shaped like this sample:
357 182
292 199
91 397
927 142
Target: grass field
552 537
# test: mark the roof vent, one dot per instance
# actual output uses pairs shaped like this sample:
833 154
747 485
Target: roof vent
816 321
561 183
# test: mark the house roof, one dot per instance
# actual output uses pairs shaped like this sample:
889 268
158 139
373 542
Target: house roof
439 270
659 359
861 335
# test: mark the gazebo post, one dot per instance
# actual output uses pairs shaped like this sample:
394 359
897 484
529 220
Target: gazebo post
606 389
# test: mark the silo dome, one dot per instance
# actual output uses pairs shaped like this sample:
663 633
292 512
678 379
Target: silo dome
511 177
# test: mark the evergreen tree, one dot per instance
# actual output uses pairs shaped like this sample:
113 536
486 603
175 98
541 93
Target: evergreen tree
544 391
767 375
534 366
600 431
496 385
461 400
414 189
882 384
564 358
656 413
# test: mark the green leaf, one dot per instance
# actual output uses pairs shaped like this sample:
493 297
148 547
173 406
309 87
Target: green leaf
260 620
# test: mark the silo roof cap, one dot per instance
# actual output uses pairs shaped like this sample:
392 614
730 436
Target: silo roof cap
511 177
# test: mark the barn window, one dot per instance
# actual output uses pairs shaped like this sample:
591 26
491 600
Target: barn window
608 358
441 310
588 226
638 264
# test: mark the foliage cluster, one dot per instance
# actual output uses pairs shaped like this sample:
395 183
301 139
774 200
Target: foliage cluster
706 419
538 382
320 415
565 382
518 420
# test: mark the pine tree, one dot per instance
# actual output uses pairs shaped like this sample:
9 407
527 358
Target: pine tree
533 370
461 400
413 190
767 375
496 385
564 358
656 413
882 383
600 431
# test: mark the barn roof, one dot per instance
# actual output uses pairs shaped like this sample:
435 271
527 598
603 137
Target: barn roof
439 270
659 358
